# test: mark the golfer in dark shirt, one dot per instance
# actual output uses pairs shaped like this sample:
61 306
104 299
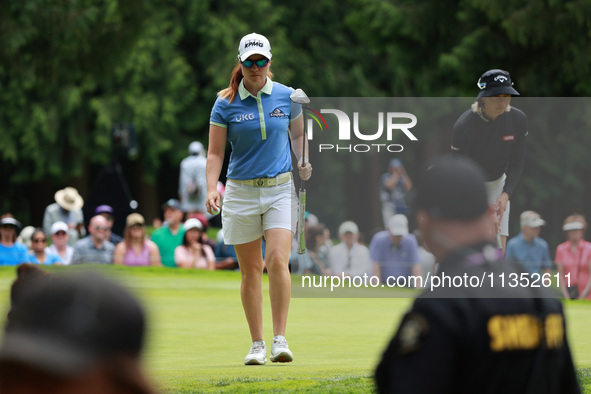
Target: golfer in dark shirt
493 134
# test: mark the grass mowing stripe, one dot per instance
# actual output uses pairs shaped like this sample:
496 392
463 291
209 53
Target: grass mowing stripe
198 335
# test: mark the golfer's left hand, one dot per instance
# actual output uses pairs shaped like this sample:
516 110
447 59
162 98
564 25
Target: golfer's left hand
502 206
305 170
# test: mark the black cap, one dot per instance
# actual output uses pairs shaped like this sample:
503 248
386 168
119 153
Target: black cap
452 187
495 82
69 323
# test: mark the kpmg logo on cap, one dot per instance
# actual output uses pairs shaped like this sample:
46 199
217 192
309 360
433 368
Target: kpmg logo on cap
253 43
388 124
500 78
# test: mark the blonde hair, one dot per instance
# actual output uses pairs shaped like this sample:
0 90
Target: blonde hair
127 236
478 106
232 89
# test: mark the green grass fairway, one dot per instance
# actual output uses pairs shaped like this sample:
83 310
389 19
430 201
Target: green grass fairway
198 335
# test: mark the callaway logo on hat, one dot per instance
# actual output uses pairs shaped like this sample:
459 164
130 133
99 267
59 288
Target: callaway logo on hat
495 82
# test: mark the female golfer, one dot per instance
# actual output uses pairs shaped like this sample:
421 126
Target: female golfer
256 115
493 134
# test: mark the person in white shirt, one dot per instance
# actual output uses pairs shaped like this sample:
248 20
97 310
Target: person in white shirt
59 242
349 256
192 180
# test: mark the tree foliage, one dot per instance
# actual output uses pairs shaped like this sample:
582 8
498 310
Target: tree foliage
71 69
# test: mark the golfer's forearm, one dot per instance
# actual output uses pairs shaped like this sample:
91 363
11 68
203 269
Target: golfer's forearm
297 136
296 144
215 155
213 170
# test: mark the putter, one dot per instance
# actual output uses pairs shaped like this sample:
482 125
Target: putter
299 97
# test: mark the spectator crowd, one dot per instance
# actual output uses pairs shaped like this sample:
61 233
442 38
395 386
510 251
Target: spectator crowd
181 239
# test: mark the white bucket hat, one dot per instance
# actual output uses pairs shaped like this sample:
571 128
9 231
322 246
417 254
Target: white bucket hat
69 199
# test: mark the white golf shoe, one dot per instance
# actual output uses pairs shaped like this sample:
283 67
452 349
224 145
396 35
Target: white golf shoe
280 352
257 354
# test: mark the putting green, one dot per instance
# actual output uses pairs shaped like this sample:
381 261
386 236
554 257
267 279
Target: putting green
198 335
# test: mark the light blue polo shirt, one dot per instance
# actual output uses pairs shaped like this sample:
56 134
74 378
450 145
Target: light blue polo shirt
395 261
50 259
533 256
14 255
258 130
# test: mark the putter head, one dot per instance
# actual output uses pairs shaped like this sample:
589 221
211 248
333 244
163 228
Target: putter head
299 97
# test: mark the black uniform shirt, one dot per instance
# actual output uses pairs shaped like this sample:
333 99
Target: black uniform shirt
497 146
450 342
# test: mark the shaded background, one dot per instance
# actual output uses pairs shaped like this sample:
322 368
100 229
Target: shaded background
70 70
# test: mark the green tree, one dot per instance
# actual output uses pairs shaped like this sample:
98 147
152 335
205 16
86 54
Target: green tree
439 48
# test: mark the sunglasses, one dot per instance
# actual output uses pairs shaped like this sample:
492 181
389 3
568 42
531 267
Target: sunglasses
137 225
60 233
101 228
39 240
260 63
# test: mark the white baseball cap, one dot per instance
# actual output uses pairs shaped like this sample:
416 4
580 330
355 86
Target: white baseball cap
193 223
398 225
252 44
196 147
58 226
573 226
348 227
312 219
531 219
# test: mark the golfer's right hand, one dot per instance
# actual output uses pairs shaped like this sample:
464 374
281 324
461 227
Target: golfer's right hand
212 202
305 170
494 209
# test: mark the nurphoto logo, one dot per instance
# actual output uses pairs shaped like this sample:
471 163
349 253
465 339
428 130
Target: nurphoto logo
389 124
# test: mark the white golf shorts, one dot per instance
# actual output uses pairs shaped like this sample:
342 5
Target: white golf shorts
495 189
248 211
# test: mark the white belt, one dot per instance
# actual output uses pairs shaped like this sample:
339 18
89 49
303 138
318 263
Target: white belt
265 182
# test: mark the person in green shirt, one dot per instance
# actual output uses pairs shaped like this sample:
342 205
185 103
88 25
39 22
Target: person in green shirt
169 236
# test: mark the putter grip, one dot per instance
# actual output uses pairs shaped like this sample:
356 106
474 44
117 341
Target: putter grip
301 238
